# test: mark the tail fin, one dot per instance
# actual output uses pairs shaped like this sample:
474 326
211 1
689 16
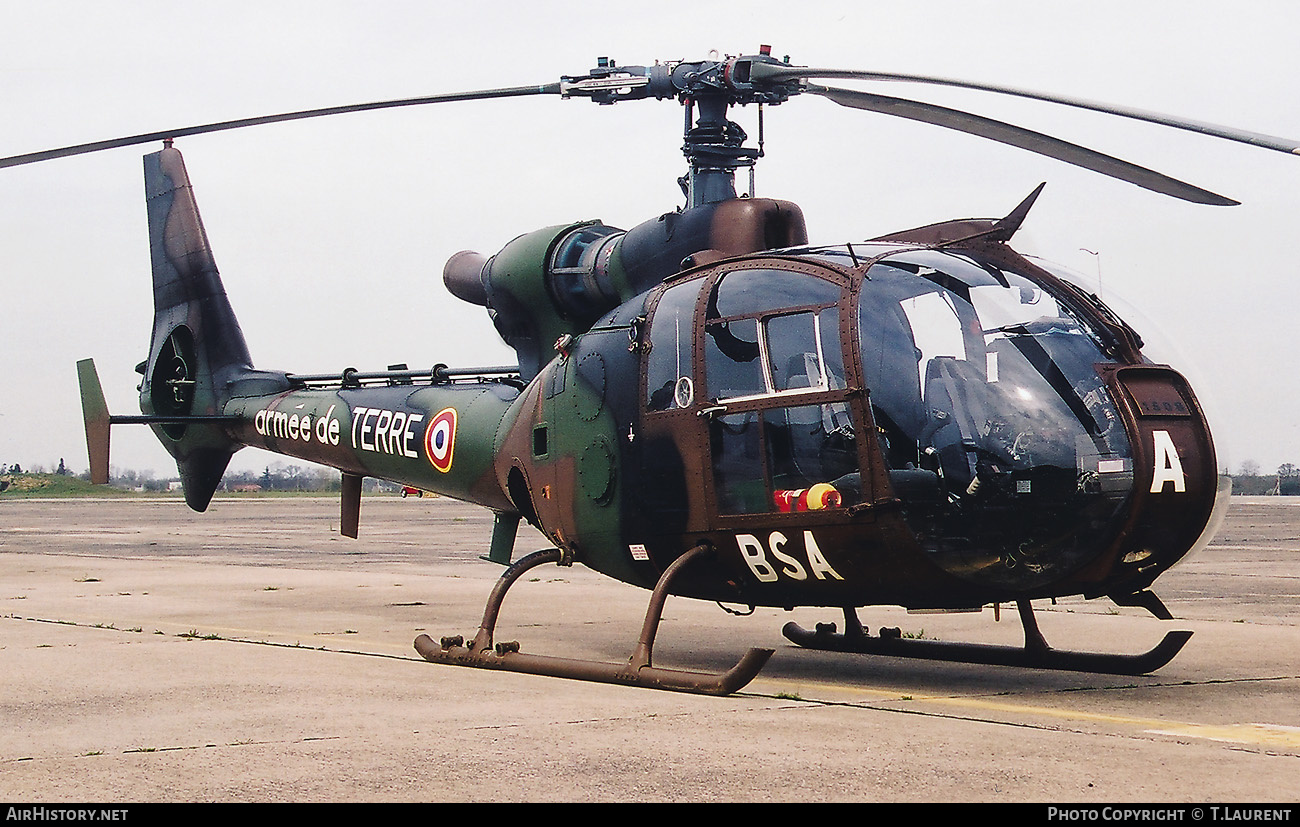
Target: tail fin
197 349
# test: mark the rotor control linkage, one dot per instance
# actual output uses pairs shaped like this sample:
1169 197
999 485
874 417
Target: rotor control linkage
1035 654
638 671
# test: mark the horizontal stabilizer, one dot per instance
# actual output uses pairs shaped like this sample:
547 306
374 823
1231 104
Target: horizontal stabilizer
94 408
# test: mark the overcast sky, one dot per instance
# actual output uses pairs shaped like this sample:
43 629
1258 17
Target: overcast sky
331 234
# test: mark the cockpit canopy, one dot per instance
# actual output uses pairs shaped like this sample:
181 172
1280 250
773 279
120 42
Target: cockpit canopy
976 387
980 364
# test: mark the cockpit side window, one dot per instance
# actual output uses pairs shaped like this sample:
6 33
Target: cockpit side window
803 351
671 360
781 458
772 343
733 359
755 292
769 332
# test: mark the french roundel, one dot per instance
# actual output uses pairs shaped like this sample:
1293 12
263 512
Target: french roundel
440 439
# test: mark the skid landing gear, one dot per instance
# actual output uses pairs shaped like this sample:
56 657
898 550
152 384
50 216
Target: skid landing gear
638 671
1035 654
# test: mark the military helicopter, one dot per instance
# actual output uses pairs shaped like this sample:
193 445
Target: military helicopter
709 406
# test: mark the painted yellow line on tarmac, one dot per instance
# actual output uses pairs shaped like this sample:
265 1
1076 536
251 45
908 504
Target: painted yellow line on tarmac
1262 734
1269 735
1272 735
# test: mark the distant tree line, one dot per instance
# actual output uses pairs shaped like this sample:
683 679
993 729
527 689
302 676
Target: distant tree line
1250 480
281 477
277 476
62 470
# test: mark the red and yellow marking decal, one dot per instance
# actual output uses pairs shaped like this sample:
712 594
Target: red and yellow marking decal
440 439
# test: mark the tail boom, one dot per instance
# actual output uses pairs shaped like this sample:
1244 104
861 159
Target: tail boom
439 438
205 401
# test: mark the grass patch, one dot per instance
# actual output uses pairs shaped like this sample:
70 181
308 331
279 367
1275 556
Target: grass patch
20 486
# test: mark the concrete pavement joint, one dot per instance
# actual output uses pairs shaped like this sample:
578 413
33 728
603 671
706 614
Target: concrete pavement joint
179 748
1262 734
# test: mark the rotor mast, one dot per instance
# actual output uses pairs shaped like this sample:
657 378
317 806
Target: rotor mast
713 144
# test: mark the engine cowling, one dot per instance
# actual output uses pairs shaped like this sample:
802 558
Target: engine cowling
559 280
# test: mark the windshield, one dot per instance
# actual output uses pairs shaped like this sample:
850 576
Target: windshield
994 422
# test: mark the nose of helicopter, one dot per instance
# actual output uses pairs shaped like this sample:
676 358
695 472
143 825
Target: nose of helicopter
1027 453
1106 524
1177 498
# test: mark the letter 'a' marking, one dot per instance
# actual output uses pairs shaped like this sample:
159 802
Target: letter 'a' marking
1168 467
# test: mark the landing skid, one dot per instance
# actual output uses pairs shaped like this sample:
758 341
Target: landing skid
638 671
1035 654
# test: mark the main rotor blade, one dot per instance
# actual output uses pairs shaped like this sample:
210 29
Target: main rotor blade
1028 139
765 72
150 137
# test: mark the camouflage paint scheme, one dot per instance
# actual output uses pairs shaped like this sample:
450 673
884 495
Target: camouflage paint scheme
568 445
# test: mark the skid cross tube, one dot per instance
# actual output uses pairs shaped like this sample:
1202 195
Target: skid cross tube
1035 654
638 671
